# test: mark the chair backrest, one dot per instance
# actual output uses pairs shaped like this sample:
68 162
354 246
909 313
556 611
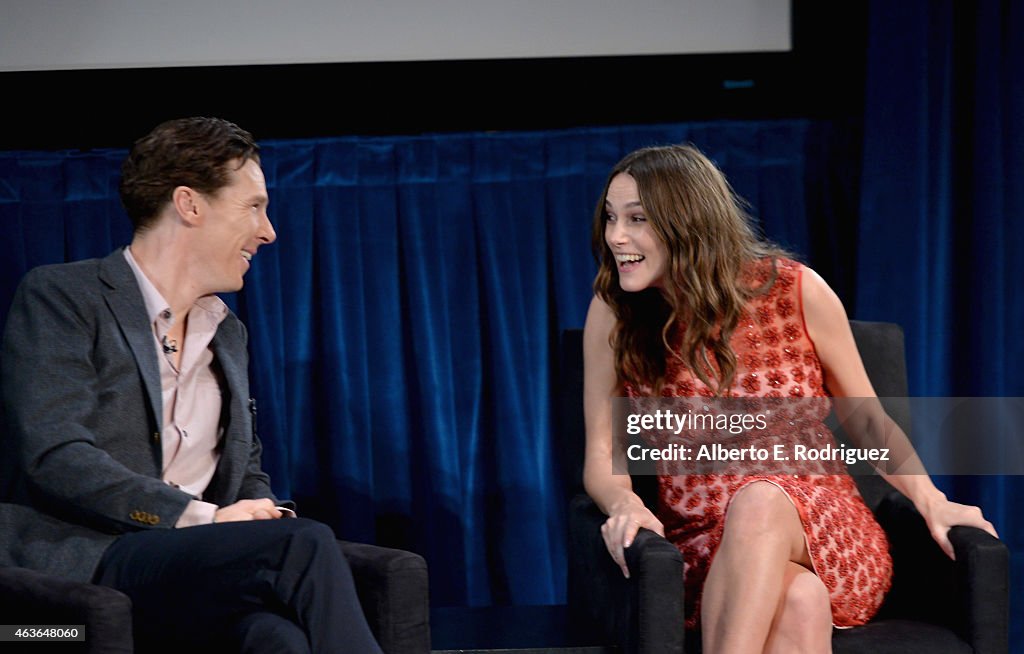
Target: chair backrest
881 348
571 432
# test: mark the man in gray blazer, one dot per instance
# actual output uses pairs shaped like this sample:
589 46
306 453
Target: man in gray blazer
130 428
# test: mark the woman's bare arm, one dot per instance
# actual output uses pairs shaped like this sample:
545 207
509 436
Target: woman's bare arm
864 418
613 493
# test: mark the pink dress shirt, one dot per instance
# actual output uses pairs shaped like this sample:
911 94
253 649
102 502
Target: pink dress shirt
191 396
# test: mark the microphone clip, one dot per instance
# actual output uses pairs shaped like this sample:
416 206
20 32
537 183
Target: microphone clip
170 346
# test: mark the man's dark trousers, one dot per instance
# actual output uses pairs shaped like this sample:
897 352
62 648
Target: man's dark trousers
256 586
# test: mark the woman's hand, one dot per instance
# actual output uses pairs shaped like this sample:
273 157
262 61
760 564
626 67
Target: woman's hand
940 514
624 521
612 492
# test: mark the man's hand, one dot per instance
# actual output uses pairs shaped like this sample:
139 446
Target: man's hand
262 509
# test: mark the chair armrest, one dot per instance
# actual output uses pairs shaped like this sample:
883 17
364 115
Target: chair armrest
393 591
644 614
30 597
656 576
597 591
969 595
982 564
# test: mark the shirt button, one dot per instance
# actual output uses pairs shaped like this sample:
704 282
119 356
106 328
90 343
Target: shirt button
166 315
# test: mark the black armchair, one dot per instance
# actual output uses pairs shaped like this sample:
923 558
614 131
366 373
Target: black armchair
935 605
391 584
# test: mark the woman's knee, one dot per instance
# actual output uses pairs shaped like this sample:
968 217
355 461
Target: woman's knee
806 595
804 619
760 509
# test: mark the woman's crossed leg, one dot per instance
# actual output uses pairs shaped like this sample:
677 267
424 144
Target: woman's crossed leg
760 594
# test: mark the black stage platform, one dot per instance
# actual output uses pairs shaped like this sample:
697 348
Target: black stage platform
511 630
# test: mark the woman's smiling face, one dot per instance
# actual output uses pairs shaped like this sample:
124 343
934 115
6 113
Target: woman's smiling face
641 257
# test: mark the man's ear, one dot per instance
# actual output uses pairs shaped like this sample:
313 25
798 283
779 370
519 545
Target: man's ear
187 203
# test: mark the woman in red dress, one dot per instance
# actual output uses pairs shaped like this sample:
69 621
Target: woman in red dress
690 302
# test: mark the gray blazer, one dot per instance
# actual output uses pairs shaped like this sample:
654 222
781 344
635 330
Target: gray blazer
81 453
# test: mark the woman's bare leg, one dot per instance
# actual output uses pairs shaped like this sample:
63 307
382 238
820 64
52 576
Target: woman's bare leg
803 619
750 580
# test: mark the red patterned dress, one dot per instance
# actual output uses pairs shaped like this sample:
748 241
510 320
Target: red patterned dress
776 359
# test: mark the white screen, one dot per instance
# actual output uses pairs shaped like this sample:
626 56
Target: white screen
76 34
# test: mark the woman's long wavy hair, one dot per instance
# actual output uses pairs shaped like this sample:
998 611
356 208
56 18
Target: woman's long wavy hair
710 240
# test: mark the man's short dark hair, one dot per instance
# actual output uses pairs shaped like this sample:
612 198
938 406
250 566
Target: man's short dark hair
194 152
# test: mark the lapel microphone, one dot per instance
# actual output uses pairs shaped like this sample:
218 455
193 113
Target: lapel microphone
169 345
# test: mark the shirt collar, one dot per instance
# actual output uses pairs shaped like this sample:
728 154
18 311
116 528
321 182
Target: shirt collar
158 309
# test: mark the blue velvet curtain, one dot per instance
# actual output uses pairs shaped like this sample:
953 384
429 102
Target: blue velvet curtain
403 329
942 228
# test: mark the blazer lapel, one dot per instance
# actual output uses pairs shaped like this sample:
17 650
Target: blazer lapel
228 348
229 352
126 303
